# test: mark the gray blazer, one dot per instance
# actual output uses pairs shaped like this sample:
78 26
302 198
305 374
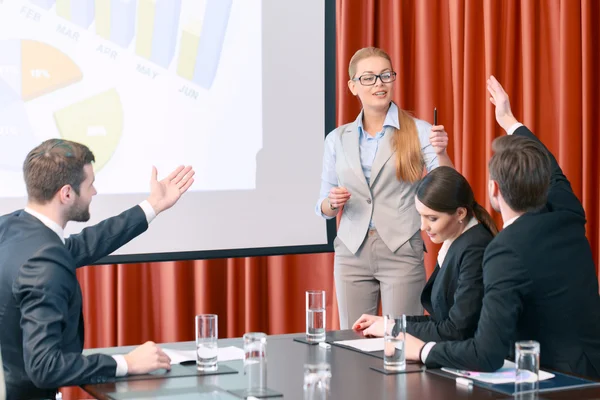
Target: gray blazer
388 201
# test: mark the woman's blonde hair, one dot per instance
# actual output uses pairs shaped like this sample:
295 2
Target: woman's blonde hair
405 141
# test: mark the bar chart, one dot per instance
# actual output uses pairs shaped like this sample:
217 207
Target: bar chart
45 4
115 20
79 12
201 44
157 29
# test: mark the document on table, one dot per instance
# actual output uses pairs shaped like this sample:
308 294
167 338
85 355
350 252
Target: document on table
224 354
506 374
367 345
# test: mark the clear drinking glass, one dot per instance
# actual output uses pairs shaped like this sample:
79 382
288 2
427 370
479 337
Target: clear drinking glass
527 360
394 357
315 315
206 342
2 385
317 379
255 362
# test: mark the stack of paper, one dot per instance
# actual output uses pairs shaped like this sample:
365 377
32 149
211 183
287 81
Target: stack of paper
224 354
368 345
506 374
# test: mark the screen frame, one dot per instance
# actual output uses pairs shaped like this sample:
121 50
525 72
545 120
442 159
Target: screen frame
330 225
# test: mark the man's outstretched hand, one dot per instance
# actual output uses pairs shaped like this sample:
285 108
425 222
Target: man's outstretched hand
166 192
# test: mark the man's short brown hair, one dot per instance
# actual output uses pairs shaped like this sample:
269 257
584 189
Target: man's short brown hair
521 167
52 165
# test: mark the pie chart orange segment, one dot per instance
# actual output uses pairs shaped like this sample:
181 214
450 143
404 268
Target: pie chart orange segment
45 69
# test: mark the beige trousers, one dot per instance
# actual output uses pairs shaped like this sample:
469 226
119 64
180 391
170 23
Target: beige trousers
360 279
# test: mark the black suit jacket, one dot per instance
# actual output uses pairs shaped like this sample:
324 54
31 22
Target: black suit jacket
453 294
540 284
40 301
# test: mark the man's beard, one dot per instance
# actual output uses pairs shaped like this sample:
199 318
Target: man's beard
79 213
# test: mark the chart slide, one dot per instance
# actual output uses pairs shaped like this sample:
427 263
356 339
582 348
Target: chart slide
201 44
79 12
141 82
157 28
164 83
115 20
96 122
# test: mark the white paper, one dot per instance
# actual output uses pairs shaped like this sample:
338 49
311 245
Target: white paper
506 374
368 345
224 354
230 353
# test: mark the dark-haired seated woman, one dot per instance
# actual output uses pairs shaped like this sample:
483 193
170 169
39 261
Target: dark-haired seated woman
454 292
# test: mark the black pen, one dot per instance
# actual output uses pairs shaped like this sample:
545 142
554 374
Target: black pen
434 116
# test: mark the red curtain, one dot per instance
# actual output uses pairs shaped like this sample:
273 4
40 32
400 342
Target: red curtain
546 53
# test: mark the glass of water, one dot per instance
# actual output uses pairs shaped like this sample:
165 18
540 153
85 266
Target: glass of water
317 379
527 360
207 335
394 357
315 315
255 362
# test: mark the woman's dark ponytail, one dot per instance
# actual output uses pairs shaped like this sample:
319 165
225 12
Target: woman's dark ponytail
485 218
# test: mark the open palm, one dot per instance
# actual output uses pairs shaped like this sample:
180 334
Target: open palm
499 98
166 192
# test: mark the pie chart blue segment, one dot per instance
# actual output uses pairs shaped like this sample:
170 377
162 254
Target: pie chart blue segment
10 71
16 135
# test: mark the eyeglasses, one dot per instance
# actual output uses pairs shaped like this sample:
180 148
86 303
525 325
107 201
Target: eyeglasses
370 79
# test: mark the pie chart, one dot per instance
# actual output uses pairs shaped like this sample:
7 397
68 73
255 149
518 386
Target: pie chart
28 69
32 69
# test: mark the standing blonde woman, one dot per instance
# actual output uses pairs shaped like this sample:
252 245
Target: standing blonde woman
370 169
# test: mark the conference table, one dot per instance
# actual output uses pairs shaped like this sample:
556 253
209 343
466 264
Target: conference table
351 377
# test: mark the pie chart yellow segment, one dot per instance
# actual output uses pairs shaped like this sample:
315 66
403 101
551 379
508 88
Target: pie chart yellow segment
96 122
45 69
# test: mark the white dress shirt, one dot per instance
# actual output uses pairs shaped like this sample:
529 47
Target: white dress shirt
122 368
510 221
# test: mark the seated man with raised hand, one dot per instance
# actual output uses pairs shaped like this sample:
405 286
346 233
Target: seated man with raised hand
539 276
40 297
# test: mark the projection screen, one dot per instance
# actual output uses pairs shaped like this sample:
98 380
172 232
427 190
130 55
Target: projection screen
242 90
